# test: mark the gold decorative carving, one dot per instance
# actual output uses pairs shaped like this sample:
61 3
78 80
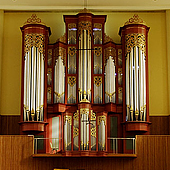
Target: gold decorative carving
60 51
49 70
71 96
71 80
98 51
135 20
100 119
84 25
72 25
98 25
49 90
120 90
97 96
50 52
75 132
119 51
97 80
120 70
93 115
109 51
133 40
136 112
84 101
37 40
85 10
84 111
93 132
62 38
68 119
71 51
33 20
110 94
76 116
107 38
58 94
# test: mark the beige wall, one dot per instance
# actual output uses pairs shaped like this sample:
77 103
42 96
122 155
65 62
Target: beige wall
11 63
1 49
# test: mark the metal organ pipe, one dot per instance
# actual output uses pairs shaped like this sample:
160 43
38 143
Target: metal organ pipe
33 85
42 87
136 81
29 85
127 87
131 84
89 69
37 87
144 88
141 82
85 64
25 85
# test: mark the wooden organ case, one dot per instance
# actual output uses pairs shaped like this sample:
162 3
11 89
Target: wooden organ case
82 90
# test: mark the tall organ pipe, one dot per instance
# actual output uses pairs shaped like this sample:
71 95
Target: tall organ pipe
127 87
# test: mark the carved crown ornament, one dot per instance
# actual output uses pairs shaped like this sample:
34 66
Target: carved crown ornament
135 20
85 10
34 20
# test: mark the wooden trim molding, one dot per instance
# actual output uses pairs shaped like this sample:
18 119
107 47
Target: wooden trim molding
160 125
132 126
0 124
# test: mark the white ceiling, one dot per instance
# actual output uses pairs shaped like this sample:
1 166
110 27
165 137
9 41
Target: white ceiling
99 5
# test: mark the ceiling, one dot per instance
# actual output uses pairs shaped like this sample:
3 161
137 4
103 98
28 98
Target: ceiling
98 5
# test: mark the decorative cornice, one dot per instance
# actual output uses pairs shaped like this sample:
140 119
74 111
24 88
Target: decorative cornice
135 20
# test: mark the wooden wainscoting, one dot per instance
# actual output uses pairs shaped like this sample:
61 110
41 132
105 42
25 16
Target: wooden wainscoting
153 152
160 125
9 125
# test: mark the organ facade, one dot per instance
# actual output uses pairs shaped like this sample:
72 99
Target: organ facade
84 89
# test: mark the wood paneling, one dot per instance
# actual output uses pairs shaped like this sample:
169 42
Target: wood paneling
9 125
160 125
153 152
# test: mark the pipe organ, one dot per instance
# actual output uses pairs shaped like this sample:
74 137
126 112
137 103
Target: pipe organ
84 88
